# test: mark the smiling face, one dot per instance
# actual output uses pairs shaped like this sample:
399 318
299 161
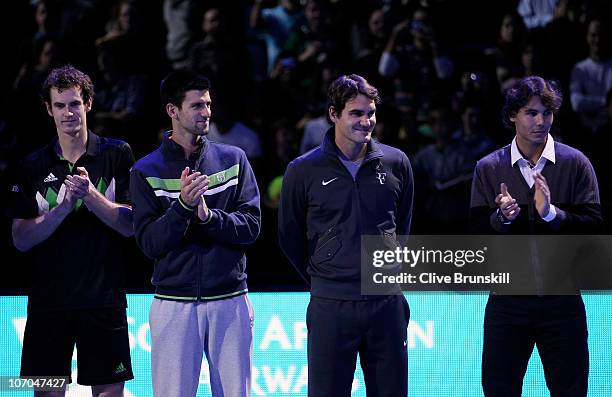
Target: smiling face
68 110
193 117
532 123
354 124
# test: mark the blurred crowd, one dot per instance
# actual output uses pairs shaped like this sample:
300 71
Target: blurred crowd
440 65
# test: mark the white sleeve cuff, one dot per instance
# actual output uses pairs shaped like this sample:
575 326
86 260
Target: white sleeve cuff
552 214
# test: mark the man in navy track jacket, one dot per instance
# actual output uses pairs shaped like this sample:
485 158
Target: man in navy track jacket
348 187
196 208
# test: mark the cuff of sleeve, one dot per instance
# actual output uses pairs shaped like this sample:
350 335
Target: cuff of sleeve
183 209
208 219
502 219
496 224
552 214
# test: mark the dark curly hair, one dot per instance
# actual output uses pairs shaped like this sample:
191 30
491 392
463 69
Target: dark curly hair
66 77
521 93
346 88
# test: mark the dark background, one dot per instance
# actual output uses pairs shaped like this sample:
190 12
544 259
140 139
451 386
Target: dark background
277 105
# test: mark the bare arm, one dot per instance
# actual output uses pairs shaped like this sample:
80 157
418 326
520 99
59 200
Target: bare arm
116 216
398 29
29 232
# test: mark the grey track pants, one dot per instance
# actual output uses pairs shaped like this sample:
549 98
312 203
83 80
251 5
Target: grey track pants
182 331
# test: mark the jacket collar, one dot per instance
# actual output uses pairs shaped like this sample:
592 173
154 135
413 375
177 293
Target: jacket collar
373 150
175 150
92 146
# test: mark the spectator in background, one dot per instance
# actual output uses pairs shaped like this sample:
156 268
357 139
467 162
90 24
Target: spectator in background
604 133
314 122
219 56
120 95
33 73
78 26
592 78
530 65
475 88
37 53
314 131
284 148
279 94
282 89
46 17
312 43
536 13
442 172
281 147
368 45
26 90
136 24
119 24
226 129
507 53
596 148
531 59
181 17
276 24
374 38
414 58
564 44
473 132
207 54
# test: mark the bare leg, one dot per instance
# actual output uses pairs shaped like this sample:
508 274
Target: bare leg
110 390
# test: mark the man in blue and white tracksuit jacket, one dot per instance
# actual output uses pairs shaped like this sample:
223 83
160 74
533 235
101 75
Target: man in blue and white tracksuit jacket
348 187
196 208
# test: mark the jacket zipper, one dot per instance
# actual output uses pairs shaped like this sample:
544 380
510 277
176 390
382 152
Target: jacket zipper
327 239
199 264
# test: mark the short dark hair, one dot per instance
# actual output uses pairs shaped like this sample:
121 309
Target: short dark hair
521 93
66 77
346 88
174 86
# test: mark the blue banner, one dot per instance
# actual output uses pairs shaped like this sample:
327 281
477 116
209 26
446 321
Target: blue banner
444 342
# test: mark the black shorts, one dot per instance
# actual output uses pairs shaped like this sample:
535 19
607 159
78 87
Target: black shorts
101 339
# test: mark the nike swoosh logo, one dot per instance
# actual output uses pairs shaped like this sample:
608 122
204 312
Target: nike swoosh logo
325 183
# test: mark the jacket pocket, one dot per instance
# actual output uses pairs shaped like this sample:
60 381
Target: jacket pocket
327 247
390 240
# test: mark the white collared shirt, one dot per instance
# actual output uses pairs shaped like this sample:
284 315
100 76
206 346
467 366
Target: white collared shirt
527 171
